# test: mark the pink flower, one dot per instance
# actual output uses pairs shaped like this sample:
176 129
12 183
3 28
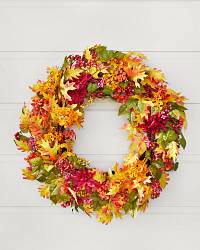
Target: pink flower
100 84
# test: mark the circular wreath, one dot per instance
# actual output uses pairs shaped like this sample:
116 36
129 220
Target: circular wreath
155 117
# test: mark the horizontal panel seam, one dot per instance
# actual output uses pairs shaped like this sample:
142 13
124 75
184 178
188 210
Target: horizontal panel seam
48 206
95 109
80 51
92 154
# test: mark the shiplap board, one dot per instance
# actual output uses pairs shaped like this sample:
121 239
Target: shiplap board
139 25
102 132
54 229
21 69
176 194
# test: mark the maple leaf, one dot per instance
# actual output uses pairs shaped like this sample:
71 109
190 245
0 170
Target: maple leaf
44 191
164 180
147 195
48 150
95 72
24 119
105 214
87 54
172 150
157 75
65 88
130 159
114 189
141 146
135 72
72 73
35 130
99 176
27 174
22 145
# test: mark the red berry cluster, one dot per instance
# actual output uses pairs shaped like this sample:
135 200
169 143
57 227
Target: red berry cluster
156 189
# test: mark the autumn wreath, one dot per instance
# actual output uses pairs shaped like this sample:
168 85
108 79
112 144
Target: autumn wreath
155 117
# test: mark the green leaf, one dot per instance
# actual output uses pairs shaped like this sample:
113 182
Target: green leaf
182 141
175 166
36 162
122 109
97 201
79 162
92 87
123 84
104 55
54 198
131 103
140 106
41 178
22 145
174 105
139 90
171 136
148 155
155 172
158 164
131 205
65 63
164 138
48 168
107 90
65 197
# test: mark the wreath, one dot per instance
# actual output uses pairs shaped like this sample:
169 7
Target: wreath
155 118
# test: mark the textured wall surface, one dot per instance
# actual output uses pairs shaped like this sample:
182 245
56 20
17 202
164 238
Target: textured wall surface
36 34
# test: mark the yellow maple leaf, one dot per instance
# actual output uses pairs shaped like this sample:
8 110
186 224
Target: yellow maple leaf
27 174
72 73
130 159
114 189
157 75
44 190
46 149
135 72
99 176
164 179
105 214
172 150
65 88
22 145
87 54
141 146
24 119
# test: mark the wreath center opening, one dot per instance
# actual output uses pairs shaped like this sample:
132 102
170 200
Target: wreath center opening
102 139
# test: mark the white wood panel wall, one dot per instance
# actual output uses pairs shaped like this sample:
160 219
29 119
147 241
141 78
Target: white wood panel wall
34 35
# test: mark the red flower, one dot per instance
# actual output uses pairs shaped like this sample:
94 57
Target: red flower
78 95
82 179
154 123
